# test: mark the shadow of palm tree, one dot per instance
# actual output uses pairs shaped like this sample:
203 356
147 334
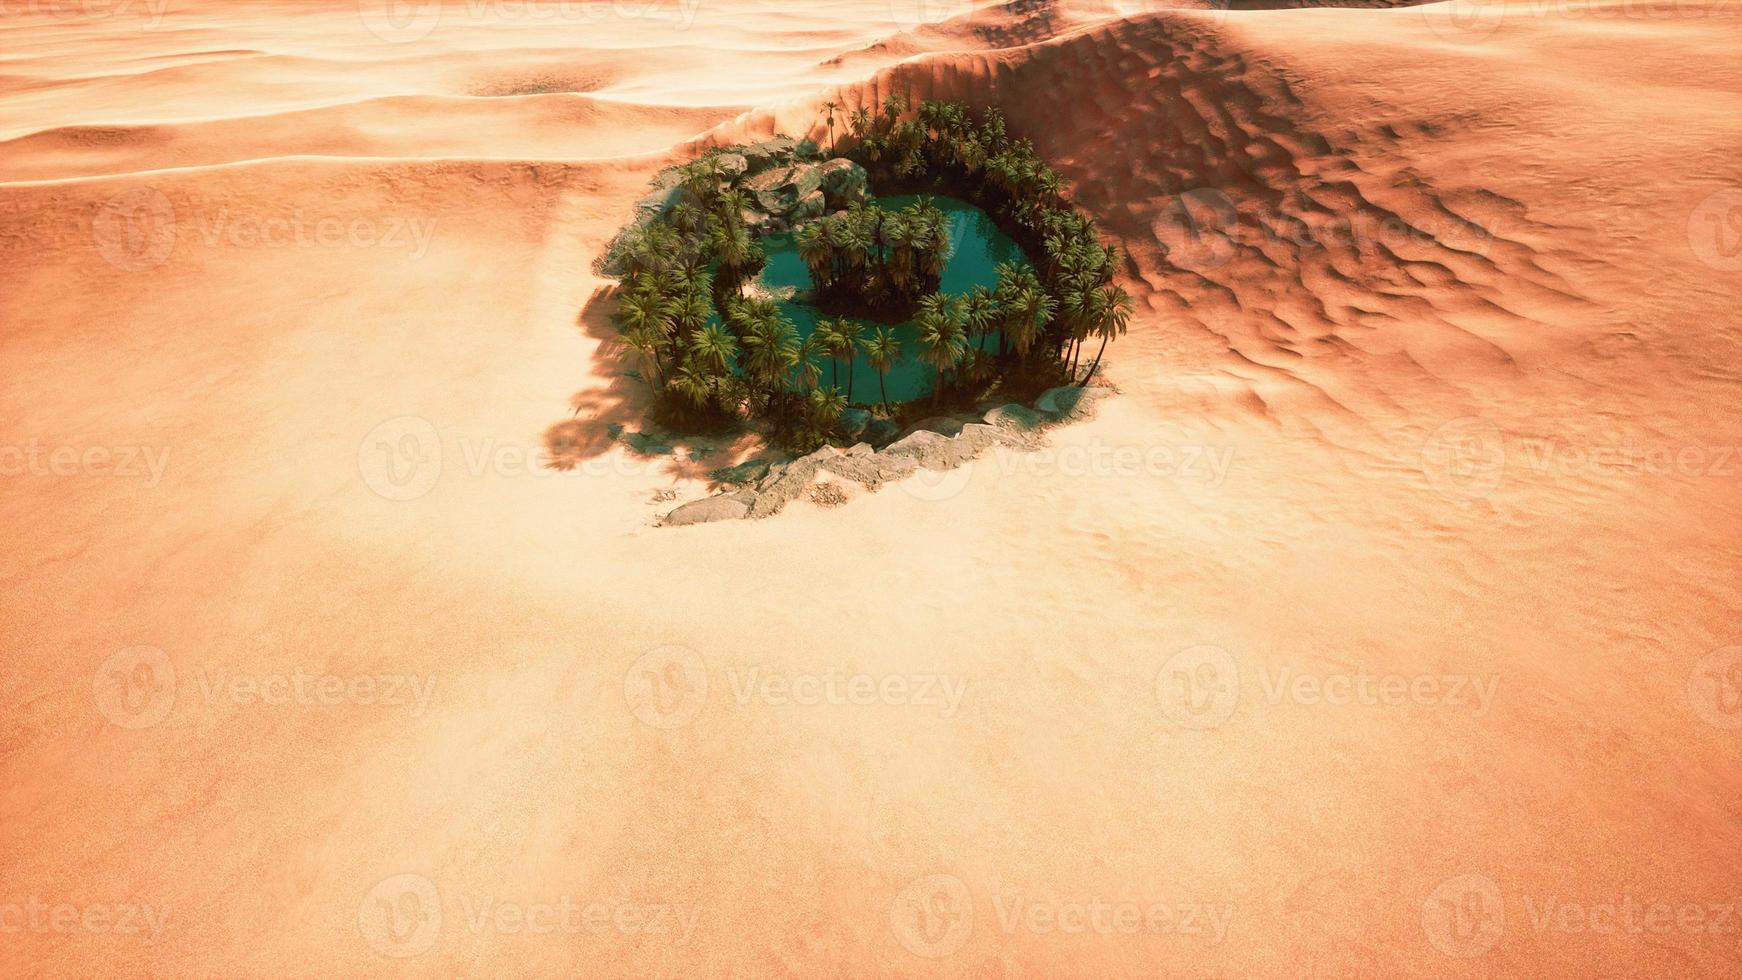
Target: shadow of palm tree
599 412
612 412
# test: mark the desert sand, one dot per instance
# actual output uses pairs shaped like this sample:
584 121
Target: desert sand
1384 623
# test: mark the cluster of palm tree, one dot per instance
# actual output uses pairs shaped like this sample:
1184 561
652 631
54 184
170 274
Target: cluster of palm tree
943 146
676 270
709 351
876 260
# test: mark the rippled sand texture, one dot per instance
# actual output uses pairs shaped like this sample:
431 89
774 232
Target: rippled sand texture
1386 623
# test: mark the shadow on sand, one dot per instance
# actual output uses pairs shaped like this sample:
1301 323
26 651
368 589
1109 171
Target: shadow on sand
612 414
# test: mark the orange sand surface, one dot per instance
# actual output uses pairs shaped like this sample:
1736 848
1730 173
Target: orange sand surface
1386 623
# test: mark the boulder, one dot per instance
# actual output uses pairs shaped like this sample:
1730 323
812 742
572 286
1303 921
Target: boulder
808 207
659 202
807 149
768 153
1016 418
733 165
854 422
707 510
782 192
842 181
1069 402
880 431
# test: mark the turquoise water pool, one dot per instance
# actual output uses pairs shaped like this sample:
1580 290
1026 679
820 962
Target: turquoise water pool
976 249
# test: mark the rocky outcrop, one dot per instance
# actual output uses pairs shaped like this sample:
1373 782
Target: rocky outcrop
925 445
787 193
843 183
785 481
768 153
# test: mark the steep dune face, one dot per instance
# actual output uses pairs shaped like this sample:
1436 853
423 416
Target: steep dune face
1382 624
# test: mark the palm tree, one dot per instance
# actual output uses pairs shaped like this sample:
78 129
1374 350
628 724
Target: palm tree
691 310
941 342
805 370
826 406
713 348
979 313
830 106
770 350
882 350
1114 316
731 242
694 384
818 253
647 343
641 310
849 332
829 342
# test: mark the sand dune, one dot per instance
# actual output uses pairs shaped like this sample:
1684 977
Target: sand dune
1434 382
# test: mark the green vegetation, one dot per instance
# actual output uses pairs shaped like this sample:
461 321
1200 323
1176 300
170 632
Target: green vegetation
715 353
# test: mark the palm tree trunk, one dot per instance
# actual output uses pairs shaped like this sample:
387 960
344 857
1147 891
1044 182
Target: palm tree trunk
883 389
1085 382
850 360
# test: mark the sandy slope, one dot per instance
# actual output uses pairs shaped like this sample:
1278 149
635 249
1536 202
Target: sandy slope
1435 384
